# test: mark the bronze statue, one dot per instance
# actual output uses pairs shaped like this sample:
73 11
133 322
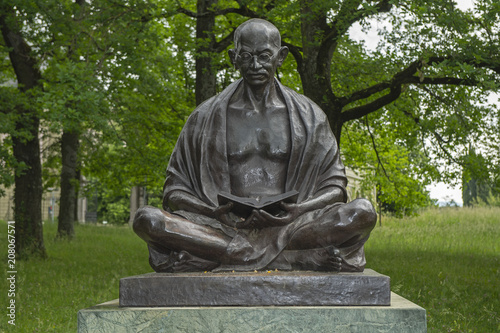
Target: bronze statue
257 142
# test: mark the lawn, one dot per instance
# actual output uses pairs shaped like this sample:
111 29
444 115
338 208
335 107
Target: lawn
445 260
76 275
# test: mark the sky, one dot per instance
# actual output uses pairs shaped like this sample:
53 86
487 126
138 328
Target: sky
445 193
440 191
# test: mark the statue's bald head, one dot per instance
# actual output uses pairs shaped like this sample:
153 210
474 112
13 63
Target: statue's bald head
257 26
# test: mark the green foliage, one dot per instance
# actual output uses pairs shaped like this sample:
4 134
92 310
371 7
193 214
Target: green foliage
479 184
147 108
116 211
111 74
10 100
7 162
122 75
374 149
112 203
488 199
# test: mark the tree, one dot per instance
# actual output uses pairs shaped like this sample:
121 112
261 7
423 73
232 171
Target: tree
425 79
95 74
25 139
70 145
422 83
209 59
67 99
205 73
425 76
118 79
478 184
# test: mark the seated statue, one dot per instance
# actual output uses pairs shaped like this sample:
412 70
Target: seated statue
256 139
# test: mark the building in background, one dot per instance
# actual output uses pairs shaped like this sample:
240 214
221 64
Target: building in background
355 190
50 205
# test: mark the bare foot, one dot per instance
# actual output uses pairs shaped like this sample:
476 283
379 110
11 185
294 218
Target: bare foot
173 262
186 262
321 259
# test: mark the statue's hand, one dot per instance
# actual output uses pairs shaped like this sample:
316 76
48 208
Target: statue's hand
262 219
223 214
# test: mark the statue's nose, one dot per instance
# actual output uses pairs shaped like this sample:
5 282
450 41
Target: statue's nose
255 63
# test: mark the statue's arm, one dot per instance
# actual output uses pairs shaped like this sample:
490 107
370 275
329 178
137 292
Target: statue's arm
181 200
321 199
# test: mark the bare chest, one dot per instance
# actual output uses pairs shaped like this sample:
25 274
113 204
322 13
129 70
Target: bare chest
258 134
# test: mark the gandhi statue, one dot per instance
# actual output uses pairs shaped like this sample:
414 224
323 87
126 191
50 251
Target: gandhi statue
256 139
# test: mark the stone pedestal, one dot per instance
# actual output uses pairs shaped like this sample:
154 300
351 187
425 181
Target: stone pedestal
272 288
402 316
270 301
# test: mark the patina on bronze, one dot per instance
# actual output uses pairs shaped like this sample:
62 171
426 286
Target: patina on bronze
256 139
264 288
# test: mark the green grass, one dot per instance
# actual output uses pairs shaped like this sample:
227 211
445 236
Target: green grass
445 260
76 275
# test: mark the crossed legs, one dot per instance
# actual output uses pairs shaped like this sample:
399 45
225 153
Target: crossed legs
328 239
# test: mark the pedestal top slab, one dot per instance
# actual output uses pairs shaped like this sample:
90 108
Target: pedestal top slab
271 288
402 316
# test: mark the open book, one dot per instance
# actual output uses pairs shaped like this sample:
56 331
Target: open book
244 206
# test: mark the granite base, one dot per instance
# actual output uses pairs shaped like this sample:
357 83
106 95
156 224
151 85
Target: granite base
402 316
272 288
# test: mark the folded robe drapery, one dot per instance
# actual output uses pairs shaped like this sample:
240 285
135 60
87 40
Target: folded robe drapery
199 166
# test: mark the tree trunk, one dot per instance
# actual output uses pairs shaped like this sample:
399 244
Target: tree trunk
206 86
315 67
28 192
26 146
77 190
70 145
70 176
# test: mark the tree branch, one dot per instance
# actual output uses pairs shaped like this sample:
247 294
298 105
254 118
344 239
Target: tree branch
242 10
296 51
492 64
379 87
374 145
407 76
190 13
24 64
224 42
436 135
440 81
348 14
361 111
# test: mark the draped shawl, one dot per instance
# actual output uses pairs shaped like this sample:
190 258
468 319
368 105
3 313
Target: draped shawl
199 166
199 162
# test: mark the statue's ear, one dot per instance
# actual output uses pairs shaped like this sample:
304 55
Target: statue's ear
232 56
282 53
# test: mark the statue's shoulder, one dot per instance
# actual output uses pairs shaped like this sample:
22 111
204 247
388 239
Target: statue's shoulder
205 107
202 113
214 103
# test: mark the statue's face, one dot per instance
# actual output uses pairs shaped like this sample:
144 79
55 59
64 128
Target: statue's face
258 55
